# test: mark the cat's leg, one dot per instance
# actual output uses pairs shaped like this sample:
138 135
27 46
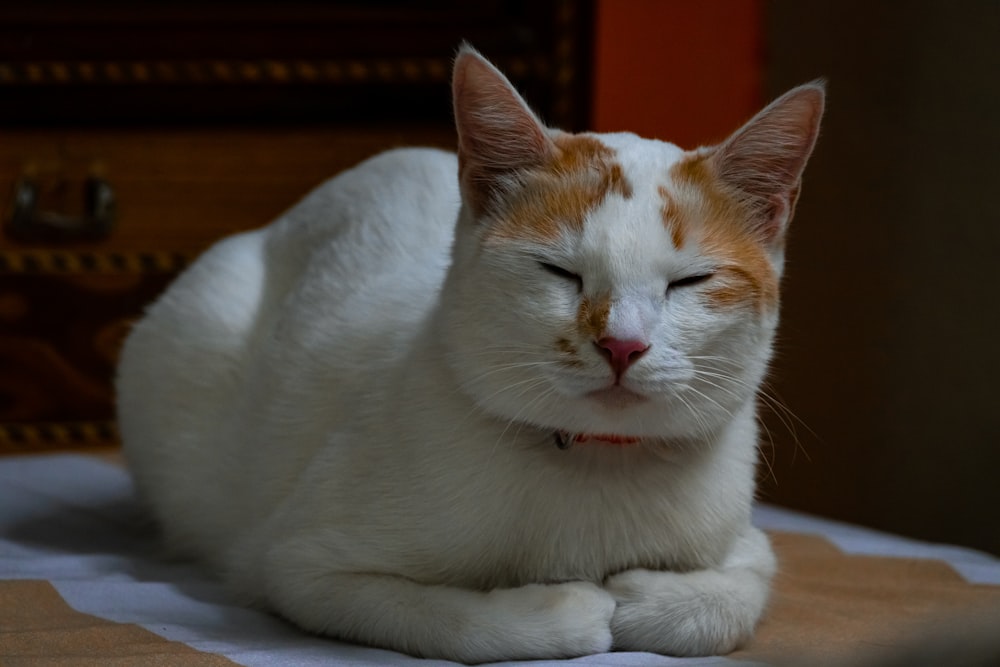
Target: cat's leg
705 612
535 621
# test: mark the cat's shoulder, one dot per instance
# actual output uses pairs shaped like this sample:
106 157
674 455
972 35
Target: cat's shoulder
418 155
420 163
393 177
384 189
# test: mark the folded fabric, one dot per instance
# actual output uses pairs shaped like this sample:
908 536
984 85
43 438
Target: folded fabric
82 582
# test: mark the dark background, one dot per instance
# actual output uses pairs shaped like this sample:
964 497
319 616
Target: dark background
889 350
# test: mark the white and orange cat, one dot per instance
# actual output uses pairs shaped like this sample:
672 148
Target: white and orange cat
486 407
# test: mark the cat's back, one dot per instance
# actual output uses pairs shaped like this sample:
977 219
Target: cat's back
327 260
364 256
372 237
399 201
239 339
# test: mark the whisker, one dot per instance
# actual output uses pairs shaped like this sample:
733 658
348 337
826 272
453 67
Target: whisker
516 417
768 462
788 419
477 408
711 400
701 375
774 404
506 367
699 419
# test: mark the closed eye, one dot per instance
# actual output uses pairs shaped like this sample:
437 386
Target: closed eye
689 281
562 273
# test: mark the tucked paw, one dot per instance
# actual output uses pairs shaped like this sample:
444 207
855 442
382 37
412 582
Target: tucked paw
559 620
685 614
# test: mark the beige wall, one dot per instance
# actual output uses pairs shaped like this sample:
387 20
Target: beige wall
890 344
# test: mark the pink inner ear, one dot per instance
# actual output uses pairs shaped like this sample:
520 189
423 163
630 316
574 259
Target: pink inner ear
764 159
779 213
497 132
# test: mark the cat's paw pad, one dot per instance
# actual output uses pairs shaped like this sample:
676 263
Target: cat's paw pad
683 614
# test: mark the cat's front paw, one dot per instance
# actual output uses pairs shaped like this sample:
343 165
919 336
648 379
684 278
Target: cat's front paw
685 614
559 620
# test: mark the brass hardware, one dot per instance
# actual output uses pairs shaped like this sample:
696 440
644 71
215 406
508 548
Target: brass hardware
28 223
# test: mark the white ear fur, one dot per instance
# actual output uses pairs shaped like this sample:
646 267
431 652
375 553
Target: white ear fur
497 132
764 160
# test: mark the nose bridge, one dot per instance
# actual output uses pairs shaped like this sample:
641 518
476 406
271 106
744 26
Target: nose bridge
629 317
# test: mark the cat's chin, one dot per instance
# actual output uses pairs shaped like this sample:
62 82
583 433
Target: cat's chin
616 397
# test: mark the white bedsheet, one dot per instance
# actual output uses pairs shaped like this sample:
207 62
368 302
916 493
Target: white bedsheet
73 521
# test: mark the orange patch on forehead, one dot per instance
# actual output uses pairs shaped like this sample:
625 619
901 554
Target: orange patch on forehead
670 215
725 231
559 195
699 188
592 317
579 153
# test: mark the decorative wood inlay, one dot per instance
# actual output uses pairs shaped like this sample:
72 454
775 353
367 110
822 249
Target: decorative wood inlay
74 262
211 72
32 437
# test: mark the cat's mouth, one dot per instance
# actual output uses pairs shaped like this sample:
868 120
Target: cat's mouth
565 439
616 396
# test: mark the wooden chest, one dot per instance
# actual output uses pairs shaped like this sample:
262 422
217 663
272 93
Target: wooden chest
132 138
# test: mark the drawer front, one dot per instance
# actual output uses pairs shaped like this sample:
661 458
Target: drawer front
59 339
177 190
65 307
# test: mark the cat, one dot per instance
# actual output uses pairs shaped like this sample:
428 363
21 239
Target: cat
488 406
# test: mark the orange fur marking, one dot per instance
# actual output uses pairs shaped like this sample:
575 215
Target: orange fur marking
559 195
592 318
703 190
566 346
671 218
726 231
737 286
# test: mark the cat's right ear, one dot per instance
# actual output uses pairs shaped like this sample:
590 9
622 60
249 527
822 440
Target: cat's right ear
765 158
497 133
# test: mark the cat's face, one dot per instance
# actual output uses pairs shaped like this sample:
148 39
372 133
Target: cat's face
610 286
606 295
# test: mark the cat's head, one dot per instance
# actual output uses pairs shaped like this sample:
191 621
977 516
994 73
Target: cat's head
610 285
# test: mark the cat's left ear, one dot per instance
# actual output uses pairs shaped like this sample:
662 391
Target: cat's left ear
764 160
498 134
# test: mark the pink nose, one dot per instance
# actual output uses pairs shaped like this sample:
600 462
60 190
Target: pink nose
621 353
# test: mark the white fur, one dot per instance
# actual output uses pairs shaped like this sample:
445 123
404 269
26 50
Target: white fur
354 421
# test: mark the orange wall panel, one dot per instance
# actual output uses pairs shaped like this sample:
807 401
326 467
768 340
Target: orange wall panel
678 70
